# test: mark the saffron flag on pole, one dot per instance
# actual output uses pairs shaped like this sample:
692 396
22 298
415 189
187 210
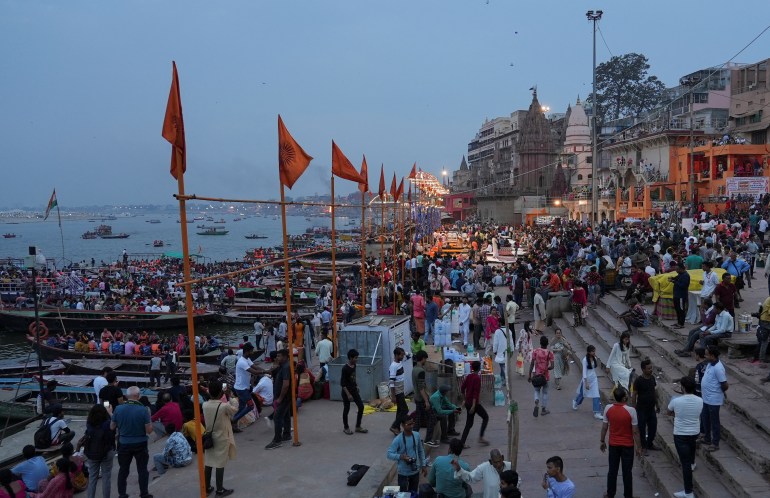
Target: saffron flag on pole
52 203
381 191
363 186
393 187
400 189
413 173
292 159
173 128
342 167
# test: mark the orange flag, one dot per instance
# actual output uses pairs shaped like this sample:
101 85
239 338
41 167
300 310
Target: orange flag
364 185
173 127
393 187
292 159
400 190
381 191
342 167
413 173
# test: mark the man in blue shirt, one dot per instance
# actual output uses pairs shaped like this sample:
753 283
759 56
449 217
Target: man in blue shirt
723 327
32 470
132 420
442 473
408 451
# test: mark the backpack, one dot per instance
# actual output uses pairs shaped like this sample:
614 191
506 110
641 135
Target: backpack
304 387
97 443
355 474
42 437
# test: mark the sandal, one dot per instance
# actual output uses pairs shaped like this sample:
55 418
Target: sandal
362 430
347 431
224 492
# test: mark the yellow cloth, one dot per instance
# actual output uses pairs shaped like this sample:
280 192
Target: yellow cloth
765 316
662 287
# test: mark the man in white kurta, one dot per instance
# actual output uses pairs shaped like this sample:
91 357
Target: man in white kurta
488 473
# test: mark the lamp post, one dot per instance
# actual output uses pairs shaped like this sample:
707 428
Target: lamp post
444 175
691 82
594 17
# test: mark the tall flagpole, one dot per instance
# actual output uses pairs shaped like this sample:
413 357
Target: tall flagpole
334 275
173 131
363 253
287 291
395 259
61 232
403 244
382 251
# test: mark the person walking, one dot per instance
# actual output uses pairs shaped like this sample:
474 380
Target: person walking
502 347
620 419
589 384
350 393
464 320
645 401
561 353
407 449
132 421
217 415
99 447
244 367
471 389
686 411
524 346
396 383
424 413
541 365
713 387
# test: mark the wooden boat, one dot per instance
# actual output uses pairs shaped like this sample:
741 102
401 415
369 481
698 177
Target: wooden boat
9 235
137 368
326 264
51 353
255 236
67 319
157 243
249 317
115 236
26 368
90 235
153 221
214 231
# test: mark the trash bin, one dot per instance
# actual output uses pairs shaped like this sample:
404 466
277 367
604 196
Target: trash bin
368 377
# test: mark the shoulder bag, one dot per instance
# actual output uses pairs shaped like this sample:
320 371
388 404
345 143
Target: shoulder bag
208 437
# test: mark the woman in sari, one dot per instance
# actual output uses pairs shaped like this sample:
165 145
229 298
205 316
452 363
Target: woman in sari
524 345
619 362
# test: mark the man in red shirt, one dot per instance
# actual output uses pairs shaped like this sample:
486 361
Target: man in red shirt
725 293
170 413
471 389
540 365
621 421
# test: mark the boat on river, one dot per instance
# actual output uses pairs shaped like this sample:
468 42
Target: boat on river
9 235
138 368
253 236
51 353
67 319
214 231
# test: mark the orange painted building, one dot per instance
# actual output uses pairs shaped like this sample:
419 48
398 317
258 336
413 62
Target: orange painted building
721 171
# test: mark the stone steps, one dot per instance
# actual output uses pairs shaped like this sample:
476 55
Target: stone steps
661 468
742 462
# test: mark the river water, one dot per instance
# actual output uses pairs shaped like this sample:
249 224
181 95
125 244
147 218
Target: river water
47 237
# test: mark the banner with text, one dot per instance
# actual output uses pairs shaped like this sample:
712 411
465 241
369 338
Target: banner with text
755 185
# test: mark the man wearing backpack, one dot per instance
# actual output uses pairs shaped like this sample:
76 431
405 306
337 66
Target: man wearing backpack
58 432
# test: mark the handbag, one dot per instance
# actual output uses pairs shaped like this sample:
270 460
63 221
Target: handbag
208 437
538 380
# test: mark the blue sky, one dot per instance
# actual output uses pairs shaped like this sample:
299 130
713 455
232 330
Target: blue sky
84 83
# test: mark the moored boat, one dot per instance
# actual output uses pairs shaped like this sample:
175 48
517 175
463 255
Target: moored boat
138 367
214 231
255 236
53 353
67 319
157 243
9 235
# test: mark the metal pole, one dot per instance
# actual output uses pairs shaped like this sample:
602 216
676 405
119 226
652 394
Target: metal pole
37 333
594 16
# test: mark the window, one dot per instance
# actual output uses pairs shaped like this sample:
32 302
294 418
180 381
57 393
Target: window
540 181
590 176
589 160
580 177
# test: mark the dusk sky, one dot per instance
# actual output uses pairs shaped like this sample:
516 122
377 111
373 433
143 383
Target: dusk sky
84 84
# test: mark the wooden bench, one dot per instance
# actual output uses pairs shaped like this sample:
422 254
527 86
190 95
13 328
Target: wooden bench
738 344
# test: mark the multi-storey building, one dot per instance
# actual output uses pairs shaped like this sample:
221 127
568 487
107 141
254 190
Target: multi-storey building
750 99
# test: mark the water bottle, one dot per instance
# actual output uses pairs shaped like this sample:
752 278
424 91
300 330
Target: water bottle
470 349
499 397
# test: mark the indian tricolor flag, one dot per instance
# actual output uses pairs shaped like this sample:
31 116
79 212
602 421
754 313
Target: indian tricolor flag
52 203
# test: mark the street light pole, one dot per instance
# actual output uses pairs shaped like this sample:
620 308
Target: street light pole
593 17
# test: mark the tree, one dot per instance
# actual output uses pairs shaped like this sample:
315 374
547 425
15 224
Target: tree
623 87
